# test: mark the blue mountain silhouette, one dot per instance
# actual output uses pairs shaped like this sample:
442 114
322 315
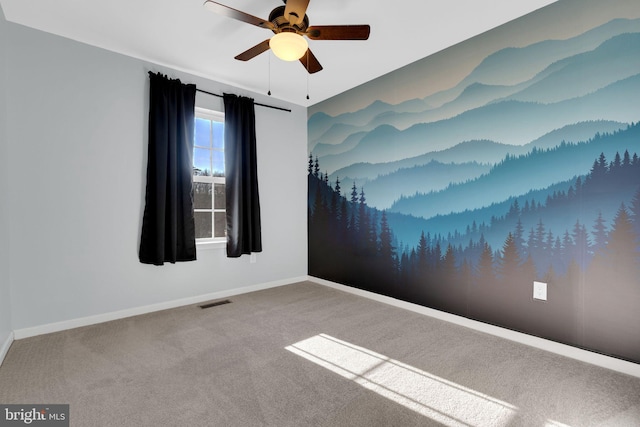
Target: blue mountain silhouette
515 175
480 151
616 102
554 60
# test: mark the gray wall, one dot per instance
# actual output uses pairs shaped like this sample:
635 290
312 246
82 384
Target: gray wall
5 295
77 132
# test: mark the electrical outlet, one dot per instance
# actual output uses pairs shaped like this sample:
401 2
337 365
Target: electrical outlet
252 258
540 291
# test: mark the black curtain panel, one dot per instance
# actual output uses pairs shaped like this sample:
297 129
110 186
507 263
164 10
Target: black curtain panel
168 228
241 177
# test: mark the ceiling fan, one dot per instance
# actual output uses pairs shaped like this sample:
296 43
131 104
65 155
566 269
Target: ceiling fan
290 24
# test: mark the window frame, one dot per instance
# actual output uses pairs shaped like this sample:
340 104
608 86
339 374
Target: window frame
216 116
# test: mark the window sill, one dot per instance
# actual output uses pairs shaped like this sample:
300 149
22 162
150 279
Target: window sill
208 245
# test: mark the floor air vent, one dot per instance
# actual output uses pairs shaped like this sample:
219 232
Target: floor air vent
215 303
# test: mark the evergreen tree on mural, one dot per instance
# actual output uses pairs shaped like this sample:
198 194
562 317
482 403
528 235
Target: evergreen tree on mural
599 234
387 263
510 261
635 215
422 255
363 226
485 277
612 287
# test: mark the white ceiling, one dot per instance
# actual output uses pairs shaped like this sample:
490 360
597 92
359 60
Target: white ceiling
183 35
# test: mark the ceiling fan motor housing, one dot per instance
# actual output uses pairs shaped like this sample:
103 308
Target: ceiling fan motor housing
277 18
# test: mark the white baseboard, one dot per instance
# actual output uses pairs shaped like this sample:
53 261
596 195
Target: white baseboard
603 361
4 348
135 311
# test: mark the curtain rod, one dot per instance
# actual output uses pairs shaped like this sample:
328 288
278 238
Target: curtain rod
256 103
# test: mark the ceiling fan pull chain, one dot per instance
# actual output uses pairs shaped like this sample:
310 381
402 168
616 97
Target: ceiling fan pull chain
307 74
269 74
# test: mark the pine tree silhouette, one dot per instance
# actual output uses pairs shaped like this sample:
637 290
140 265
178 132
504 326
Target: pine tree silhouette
635 216
485 274
386 251
510 260
599 234
612 292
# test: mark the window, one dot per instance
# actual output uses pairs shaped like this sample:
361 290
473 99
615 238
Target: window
208 176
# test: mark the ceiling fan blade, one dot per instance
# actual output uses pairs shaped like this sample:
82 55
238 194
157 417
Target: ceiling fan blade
295 10
338 32
230 12
254 51
310 62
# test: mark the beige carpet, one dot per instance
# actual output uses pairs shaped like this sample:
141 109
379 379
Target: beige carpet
308 355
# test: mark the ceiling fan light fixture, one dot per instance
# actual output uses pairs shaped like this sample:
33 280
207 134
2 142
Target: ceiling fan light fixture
288 46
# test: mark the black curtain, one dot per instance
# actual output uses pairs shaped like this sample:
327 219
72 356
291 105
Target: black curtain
168 228
241 177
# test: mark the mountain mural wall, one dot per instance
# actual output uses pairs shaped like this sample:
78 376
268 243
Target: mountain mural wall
526 169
